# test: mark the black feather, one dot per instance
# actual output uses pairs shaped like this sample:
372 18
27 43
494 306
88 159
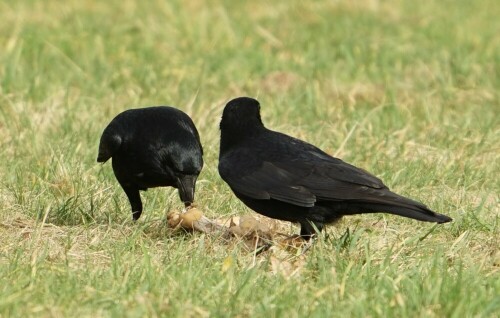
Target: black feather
289 179
153 147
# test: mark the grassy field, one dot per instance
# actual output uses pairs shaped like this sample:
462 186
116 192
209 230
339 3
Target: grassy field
408 90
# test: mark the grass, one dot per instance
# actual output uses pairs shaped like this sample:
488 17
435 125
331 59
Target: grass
405 89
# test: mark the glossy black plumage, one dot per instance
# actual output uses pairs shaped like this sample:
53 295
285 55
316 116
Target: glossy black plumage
153 147
288 179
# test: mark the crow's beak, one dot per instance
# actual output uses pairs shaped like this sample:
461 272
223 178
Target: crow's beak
186 185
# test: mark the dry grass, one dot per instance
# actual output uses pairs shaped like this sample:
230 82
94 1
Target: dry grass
406 90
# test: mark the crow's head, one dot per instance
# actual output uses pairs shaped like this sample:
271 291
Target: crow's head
240 114
183 163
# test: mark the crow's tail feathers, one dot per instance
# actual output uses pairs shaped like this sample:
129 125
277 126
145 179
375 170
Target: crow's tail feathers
393 203
414 212
109 144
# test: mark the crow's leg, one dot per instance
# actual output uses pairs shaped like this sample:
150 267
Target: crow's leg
134 198
308 229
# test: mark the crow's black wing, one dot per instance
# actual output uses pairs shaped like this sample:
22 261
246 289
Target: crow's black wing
299 183
264 182
325 168
295 172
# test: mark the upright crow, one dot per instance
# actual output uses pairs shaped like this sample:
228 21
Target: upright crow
153 147
288 179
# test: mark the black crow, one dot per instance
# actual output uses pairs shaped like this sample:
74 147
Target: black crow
153 147
288 179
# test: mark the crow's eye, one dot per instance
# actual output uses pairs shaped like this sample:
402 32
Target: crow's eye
176 170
